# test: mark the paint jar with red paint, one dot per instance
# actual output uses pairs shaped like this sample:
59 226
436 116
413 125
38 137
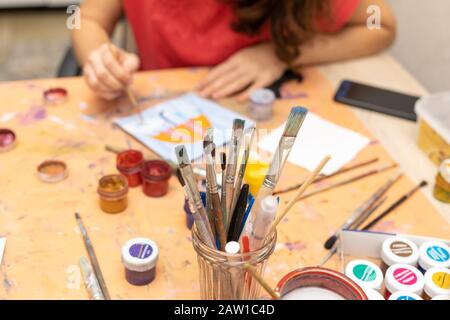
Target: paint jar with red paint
129 163
155 178
403 277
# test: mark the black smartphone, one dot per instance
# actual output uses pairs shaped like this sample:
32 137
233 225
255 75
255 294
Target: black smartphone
376 99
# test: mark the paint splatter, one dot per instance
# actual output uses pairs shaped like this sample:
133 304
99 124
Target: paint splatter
286 93
34 114
295 246
7 116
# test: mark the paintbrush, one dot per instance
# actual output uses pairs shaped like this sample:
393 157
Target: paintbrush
357 224
90 280
360 210
293 125
92 257
396 204
223 197
200 215
299 193
129 92
348 181
240 176
213 191
322 178
238 215
206 143
233 151
185 190
261 281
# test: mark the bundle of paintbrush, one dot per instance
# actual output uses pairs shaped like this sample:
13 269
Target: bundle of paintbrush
229 213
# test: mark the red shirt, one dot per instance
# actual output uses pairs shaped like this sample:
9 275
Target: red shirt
181 33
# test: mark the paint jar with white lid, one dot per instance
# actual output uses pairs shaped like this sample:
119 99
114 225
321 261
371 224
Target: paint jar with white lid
398 250
139 257
365 274
404 295
403 277
433 254
261 104
437 282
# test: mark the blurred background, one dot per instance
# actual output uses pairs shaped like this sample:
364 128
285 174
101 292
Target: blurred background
34 39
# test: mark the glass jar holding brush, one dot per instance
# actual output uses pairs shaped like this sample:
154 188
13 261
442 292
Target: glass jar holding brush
222 276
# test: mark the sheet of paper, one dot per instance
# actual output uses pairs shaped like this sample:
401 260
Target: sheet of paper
183 120
317 138
2 248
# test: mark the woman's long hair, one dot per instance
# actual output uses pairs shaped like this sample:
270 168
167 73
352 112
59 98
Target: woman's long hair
291 22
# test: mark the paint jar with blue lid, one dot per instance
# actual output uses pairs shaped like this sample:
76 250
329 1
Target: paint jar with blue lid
404 295
433 254
365 273
139 257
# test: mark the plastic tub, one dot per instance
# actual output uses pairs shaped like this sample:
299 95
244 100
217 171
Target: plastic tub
434 126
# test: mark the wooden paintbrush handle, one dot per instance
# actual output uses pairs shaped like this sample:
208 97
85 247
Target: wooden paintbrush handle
218 220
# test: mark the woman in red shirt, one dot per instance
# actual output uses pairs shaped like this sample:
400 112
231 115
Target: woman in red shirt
249 43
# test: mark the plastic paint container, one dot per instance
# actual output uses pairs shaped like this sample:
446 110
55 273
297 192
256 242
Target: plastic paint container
55 96
316 283
403 277
129 163
433 114
52 171
113 191
437 282
8 140
139 257
433 254
397 250
255 174
404 295
261 104
442 186
155 178
365 273
372 294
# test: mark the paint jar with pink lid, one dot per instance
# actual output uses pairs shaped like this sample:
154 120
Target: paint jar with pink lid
403 277
437 283
398 250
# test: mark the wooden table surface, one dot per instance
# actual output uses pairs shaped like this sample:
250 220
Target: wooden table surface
44 244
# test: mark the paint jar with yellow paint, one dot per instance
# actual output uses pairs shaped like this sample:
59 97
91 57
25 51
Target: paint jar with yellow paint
434 131
437 282
254 175
113 191
442 186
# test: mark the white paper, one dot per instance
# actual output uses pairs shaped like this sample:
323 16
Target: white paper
317 138
2 248
169 115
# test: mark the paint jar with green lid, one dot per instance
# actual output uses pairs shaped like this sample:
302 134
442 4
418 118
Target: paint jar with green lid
437 282
397 250
365 273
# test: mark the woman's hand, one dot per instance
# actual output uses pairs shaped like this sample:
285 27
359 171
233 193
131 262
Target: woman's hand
249 69
109 73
